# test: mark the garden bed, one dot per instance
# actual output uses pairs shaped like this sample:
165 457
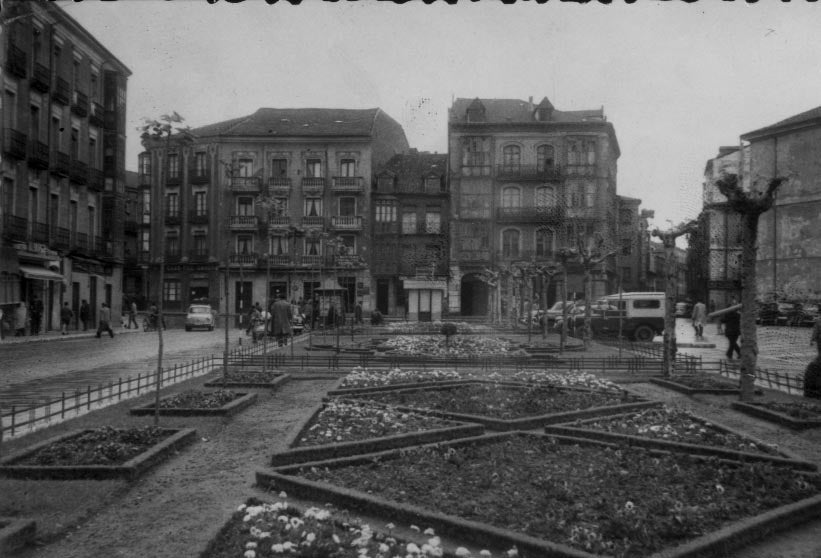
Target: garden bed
692 384
220 403
343 428
250 379
15 533
798 415
102 453
679 431
509 406
457 346
563 496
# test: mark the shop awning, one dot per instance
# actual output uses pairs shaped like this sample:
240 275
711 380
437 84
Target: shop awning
41 273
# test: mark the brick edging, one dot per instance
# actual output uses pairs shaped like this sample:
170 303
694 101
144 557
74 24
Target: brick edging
776 417
242 402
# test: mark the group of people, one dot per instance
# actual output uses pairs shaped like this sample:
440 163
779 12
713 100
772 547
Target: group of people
15 319
276 322
730 324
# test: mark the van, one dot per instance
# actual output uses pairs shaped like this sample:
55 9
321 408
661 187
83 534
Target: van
641 313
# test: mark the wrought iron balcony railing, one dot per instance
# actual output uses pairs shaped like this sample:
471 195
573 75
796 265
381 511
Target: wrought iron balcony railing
198 256
314 184
346 222
538 214
279 221
245 183
62 238
16 61
198 216
79 103
279 185
347 184
14 143
244 222
60 163
96 114
172 217
78 172
243 259
528 172
313 221
61 92
40 78
96 180
38 154
39 232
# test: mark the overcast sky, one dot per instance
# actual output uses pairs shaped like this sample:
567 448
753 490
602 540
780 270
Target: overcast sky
676 80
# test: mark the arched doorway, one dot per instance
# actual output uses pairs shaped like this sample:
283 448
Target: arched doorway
474 294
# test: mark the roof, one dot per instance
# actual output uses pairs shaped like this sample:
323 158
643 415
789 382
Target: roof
296 122
810 116
516 110
415 165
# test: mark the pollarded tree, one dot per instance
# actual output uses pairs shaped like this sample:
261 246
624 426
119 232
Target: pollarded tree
750 205
591 252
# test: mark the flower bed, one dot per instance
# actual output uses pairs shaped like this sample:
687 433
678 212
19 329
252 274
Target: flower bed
15 534
458 346
676 430
562 496
260 530
222 403
691 384
509 406
250 379
102 453
340 428
363 378
796 415
434 327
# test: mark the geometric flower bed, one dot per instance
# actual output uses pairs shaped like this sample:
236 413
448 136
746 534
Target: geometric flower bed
457 346
102 453
510 406
250 378
222 403
363 377
564 497
15 533
796 415
341 428
435 328
259 529
691 384
678 430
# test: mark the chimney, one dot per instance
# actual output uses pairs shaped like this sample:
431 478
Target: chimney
530 103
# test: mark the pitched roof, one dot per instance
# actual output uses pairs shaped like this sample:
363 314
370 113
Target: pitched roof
801 118
296 122
516 110
415 165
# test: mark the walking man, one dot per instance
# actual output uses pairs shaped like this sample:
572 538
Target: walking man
357 313
815 336
65 318
282 320
699 317
105 321
732 329
85 314
132 316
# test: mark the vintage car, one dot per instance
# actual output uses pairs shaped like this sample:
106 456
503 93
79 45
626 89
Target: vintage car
199 316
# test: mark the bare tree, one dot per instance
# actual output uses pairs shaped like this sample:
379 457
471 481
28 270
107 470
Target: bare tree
591 252
750 205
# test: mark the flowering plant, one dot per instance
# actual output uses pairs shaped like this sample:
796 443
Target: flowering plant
196 399
458 346
363 377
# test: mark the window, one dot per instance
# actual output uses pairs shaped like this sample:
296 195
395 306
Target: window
279 168
545 242
589 195
313 168
348 246
146 207
409 221
92 221
384 183
573 152
433 220
545 196
199 164
172 244
347 167
173 166
200 204
312 247
313 207
245 168
200 244
10 109
589 152
75 74
245 206
279 207
511 197
626 246
433 185
511 157
56 138
385 211
545 158
347 206
476 156
171 290
145 164
75 144
92 152
510 243
94 86
573 197
34 122
145 241
172 204
646 304
278 245
245 244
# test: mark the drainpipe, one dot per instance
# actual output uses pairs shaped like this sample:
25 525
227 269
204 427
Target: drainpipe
775 217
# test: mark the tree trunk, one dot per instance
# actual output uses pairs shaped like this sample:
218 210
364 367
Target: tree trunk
588 306
671 287
749 343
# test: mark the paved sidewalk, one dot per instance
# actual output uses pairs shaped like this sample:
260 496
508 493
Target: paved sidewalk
71 334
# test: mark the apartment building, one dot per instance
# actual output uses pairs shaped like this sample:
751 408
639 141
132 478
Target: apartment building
527 180
281 196
409 260
63 163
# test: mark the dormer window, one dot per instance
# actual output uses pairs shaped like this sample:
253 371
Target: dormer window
384 183
433 184
542 115
475 112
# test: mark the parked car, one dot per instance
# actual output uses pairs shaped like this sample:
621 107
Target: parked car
555 311
800 315
200 316
640 315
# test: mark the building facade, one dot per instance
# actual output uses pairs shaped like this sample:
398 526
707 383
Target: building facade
63 164
527 180
409 261
281 196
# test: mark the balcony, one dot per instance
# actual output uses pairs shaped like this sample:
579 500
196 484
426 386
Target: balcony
198 217
346 222
172 257
536 215
280 260
145 179
81 242
79 104
313 221
198 256
313 184
347 184
130 226
61 238
16 61
528 172
279 221
197 176
62 91
96 180
245 184
40 78
14 143
279 185
173 178
243 259
172 217
15 228
38 155
60 163
314 261
242 222
96 115
102 247
78 172
39 232
580 170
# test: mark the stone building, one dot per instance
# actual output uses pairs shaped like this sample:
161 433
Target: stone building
526 180
63 163
410 200
282 194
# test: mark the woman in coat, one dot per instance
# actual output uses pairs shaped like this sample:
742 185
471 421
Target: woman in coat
281 315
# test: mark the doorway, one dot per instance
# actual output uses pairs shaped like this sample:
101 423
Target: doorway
383 289
243 294
474 295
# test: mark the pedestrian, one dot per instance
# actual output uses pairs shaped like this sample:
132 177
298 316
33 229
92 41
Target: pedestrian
732 329
314 312
65 318
253 317
85 314
36 316
699 317
282 320
20 318
104 323
357 313
812 379
132 316
815 336
330 319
